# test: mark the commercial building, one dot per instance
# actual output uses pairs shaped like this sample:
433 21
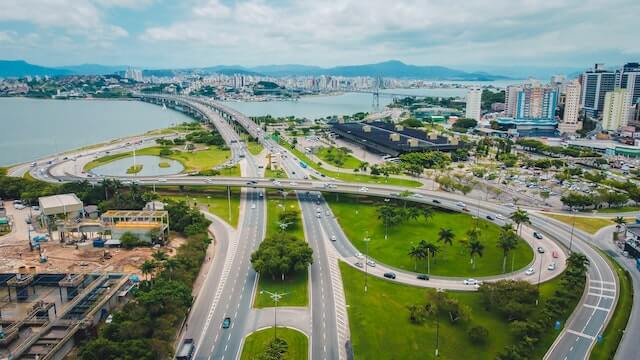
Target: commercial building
628 77
616 110
390 139
143 224
474 100
596 83
570 118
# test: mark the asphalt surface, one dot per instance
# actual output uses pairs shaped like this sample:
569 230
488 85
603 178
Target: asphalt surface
237 285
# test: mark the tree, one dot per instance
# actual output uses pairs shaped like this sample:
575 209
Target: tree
129 240
520 217
475 249
147 268
427 213
390 215
620 221
281 254
446 236
478 335
417 253
578 261
289 217
417 313
507 241
159 255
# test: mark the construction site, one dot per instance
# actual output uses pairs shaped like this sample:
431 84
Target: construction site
62 271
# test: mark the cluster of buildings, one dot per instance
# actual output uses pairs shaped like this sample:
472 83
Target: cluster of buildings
610 97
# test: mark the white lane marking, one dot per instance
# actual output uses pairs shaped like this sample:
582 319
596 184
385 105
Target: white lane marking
577 333
597 307
601 295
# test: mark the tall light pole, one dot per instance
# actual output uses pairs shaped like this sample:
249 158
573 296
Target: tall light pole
386 223
275 297
366 258
438 330
573 225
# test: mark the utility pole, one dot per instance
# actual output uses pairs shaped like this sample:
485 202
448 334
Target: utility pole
229 201
30 224
275 297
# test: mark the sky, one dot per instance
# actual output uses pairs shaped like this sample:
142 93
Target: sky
464 34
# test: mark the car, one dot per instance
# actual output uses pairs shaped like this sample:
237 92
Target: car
253 206
226 323
460 204
554 254
371 263
364 189
16 202
419 196
471 282
318 215
537 235
489 217
333 238
327 213
551 266
27 220
422 277
162 180
500 217
394 194
466 209
359 255
293 183
358 264
436 201
109 319
209 181
390 275
540 250
530 271
276 183
35 208
509 205
18 206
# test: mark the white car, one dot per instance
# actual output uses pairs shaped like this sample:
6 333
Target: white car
359 255
162 180
551 266
500 217
253 206
333 238
293 183
364 189
276 183
471 282
18 206
419 196
460 204
371 263
530 271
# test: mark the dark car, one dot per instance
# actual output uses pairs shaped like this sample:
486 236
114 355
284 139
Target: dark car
435 201
390 275
226 323
537 235
489 217
422 277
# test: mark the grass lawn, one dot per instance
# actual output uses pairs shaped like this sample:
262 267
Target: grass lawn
453 260
338 158
214 197
619 210
254 344
615 329
380 326
134 169
268 173
353 177
587 224
294 285
163 164
192 161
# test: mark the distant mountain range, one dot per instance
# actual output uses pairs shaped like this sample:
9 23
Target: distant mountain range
389 69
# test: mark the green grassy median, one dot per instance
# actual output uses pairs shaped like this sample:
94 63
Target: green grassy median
255 344
134 169
359 215
213 197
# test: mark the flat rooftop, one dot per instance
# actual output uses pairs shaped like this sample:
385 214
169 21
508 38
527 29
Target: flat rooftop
57 204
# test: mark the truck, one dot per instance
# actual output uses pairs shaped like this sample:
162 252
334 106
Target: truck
186 350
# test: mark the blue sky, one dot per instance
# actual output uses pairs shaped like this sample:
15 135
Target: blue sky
467 34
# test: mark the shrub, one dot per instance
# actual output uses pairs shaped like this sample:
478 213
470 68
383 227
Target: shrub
165 151
478 335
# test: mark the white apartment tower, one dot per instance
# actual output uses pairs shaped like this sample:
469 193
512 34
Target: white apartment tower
616 109
474 100
570 123
511 100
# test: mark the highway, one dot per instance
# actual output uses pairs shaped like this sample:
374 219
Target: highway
235 286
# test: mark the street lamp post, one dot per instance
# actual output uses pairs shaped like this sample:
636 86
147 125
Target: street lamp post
386 224
29 228
275 297
438 331
573 225
366 259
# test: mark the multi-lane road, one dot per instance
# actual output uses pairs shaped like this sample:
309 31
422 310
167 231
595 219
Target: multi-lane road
230 285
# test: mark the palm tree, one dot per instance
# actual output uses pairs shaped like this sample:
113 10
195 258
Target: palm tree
507 241
159 255
147 268
427 213
475 249
446 236
429 250
619 220
417 253
473 234
170 265
520 217
413 212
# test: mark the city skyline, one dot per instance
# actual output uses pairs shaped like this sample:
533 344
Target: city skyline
157 33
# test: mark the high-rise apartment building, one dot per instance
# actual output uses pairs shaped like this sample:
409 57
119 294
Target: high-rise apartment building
616 109
628 77
570 118
596 83
474 101
133 74
536 102
511 100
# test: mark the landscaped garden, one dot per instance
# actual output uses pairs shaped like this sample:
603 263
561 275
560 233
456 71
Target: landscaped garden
450 243
501 321
338 157
283 218
261 342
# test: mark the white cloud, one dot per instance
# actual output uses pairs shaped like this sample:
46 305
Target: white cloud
7 36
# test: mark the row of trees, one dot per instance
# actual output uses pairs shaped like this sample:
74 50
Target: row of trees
582 201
